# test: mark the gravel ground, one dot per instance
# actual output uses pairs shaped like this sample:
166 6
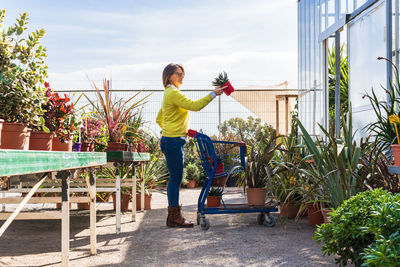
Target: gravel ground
232 240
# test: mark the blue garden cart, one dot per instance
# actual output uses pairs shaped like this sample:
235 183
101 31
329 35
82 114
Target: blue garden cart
232 155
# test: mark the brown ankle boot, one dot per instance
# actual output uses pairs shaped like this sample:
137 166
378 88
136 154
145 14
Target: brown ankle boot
175 218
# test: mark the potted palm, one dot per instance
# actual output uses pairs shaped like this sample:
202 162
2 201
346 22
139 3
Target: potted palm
21 76
222 80
214 197
258 166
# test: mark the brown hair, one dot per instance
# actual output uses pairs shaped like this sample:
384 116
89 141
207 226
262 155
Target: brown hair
169 71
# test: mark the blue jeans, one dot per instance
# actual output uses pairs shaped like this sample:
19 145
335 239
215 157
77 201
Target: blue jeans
172 147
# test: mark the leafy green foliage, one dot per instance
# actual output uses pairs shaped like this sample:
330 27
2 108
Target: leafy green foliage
192 172
22 72
336 164
382 130
384 252
215 191
344 82
221 79
242 130
357 223
258 164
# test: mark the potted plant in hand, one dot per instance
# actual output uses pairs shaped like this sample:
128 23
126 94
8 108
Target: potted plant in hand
214 197
22 71
222 80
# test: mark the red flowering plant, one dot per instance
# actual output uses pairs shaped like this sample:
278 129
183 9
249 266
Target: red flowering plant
59 114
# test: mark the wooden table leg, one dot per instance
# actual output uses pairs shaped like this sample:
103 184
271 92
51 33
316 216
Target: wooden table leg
133 193
142 187
65 220
91 183
118 198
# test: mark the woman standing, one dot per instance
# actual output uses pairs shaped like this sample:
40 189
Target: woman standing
173 118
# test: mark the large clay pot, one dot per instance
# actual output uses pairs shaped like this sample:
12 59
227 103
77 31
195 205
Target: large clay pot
396 154
213 201
147 201
40 141
60 146
125 199
219 181
115 146
315 216
289 209
191 184
1 126
15 136
256 196
87 147
326 215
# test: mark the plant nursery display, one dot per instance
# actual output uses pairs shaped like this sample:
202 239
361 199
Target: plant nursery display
222 80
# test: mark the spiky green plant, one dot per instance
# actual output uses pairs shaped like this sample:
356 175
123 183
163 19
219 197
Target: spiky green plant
221 79
215 191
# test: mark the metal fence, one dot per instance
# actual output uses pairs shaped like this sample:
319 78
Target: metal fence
266 104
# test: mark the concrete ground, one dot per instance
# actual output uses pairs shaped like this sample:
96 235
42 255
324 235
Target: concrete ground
232 240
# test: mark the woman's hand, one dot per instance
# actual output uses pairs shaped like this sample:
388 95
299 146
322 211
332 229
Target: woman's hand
219 90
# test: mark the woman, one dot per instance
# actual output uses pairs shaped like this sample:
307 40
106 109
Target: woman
173 118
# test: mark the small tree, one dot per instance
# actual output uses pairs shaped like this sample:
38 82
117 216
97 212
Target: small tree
22 72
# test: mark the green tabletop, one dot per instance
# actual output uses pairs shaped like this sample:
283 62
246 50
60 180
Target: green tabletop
124 156
19 162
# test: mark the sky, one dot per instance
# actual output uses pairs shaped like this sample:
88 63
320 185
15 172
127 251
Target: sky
254 41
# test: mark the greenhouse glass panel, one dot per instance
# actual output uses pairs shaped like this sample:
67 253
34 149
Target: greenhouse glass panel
367 41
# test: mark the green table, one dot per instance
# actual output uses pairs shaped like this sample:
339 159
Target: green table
63 165
119 159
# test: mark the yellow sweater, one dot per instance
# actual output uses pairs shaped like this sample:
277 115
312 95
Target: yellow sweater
173 116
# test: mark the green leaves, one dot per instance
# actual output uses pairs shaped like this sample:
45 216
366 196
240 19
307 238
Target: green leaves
221 79
368 217
22 73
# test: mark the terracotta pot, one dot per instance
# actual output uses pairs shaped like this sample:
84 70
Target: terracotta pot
15 136
125 199
40 141
213 201
256 196
289 209
315 216
229 89
105 199
115 146
59 146
83 206
1 126
191 184
58 205
325 214
87 147
219 181
147 201
396 154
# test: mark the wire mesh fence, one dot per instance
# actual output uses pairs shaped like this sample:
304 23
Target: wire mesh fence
270 105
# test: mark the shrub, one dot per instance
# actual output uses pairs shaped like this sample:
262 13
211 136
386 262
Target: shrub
384 252
192 172
357 223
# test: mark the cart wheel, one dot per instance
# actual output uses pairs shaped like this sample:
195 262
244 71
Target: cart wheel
198 218
204 224
261 218
270 221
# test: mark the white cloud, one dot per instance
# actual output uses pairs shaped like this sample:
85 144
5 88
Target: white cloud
244 68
